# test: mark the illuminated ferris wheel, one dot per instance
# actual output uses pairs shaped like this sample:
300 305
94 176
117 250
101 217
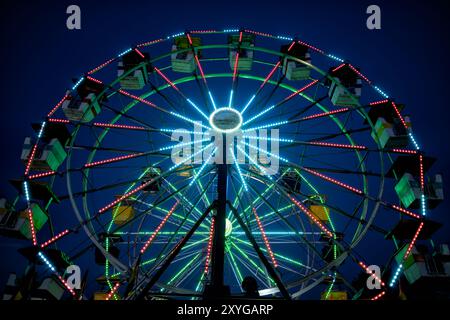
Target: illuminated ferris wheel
124 179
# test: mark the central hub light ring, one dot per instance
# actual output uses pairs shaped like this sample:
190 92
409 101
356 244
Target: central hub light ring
225 120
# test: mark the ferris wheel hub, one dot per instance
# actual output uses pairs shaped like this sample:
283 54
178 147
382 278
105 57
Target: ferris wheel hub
226 120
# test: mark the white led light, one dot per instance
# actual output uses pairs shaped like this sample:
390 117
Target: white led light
225 120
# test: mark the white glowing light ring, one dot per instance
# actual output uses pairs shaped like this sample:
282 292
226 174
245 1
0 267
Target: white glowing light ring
214 126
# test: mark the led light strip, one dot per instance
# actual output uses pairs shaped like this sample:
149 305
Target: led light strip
270 75
162 223
55 238
301 90
142 186
266 241
200 69
55 120
145 44
51 267
408 251
209 247
166 79
400 209
239 170
310 46
236 61
118 126
360 74
132 96
101 162
378 296
338 67
197 174
32 228
139 53
375 103
399 115
346 186
41 175
404 151
422 178
101 66
337 145
366 268
324 114
396 275
125 196
30 159
113 291
259 33
203 31
274 124
311 216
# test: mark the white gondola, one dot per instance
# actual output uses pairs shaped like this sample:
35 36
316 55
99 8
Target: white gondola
422 265
409 191
245 60
138 78
392 135
434 191
293 69
46 157
345 90
83 109
16 224
135 80
50 289
184 61
11 287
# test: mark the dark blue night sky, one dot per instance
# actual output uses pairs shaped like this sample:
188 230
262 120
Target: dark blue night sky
408 57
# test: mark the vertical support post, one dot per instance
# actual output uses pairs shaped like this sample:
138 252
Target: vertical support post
216 288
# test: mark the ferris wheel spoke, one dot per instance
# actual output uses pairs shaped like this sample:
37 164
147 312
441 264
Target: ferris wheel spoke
172 254
146 126
234 267
278 104
153 180
284 258
177 191
137 216
185 219
134 155
189 271
250 264
288 224
266 79
307 108
202 74
184 199
151 104
269 268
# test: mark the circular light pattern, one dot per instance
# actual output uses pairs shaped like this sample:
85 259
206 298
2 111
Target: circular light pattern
228 228
225 120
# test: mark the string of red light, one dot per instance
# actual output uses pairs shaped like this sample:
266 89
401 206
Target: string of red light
159 227
55 238
311 216
113 291
209 246
266 240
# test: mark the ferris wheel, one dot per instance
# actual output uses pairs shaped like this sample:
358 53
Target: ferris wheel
133 177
